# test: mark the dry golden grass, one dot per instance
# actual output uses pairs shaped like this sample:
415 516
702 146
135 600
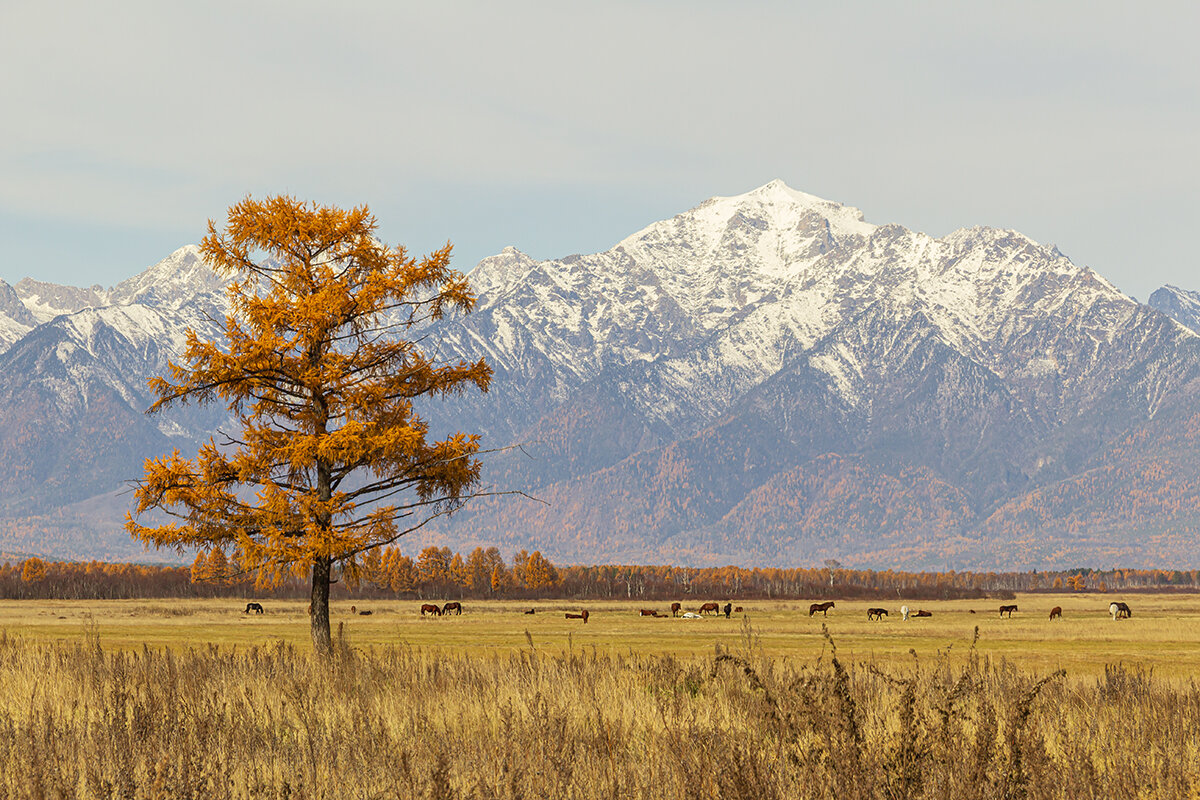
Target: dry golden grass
80 720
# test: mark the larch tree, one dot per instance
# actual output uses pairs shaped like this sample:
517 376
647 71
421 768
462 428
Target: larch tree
320 368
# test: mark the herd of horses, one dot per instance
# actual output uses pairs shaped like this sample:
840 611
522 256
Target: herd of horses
1118 610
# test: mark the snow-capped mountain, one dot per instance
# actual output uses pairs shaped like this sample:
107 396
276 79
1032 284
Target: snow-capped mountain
1181 305
695 366
15 319
73 383
766 377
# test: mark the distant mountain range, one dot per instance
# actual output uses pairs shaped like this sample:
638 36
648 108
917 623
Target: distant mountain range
765 379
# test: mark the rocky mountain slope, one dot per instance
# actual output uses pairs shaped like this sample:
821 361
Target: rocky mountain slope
1180 304
765 378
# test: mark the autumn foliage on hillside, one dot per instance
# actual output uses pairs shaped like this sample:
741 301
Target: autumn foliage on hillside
484 574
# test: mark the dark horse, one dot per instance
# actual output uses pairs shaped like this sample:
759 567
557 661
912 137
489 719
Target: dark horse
1120 610
713 607
675 608
1056 612
255 607
876 613
430 608
822 607
452 608
1007 610
648 612
583 615
923 614
728 609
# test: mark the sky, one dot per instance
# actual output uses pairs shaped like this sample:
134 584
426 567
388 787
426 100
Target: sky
561 128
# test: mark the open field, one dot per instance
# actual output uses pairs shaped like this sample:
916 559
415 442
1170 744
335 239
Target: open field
169 699
1164 633
272 721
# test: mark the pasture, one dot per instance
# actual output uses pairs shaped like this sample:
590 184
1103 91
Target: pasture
158 699
1163 635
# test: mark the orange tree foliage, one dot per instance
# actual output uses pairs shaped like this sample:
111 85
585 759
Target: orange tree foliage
331 458
389 574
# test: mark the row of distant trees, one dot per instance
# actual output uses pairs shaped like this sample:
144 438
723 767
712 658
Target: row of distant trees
485 574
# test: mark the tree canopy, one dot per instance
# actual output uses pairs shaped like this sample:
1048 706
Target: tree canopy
320 367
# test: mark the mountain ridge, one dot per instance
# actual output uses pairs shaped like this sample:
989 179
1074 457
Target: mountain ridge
766 377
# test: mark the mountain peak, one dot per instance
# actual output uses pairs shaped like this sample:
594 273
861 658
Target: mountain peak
842 219
501 271
1181 305
170 282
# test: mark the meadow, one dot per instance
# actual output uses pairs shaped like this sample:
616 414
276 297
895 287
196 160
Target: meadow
1163 635
149 699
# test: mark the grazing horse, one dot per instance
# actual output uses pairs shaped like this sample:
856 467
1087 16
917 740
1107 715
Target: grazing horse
737 610
255 607
904 613
728 609
675 609
923 613
713 607
648 612
1056 612
1007 610
822 607
430 608
1119 610
876 613
455 608
583 615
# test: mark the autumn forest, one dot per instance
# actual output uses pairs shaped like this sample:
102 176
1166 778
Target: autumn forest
485 574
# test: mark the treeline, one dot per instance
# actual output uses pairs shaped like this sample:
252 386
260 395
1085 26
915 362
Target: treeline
485 574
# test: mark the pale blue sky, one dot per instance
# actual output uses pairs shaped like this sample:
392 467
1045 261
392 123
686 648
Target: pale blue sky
562 127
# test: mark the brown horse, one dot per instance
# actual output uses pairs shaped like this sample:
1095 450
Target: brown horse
430 608
583 615
676 608
1007 610
822 607
648 612
737 610
713 607
255 607
876 613
1056 612
454 607
923 614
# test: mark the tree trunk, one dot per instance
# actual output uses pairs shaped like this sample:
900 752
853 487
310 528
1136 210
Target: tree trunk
322 641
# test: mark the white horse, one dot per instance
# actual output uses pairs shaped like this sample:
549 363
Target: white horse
904 613
1112 609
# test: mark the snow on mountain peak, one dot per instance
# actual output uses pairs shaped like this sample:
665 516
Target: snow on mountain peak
172 281
499 272
1181 305
763 275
